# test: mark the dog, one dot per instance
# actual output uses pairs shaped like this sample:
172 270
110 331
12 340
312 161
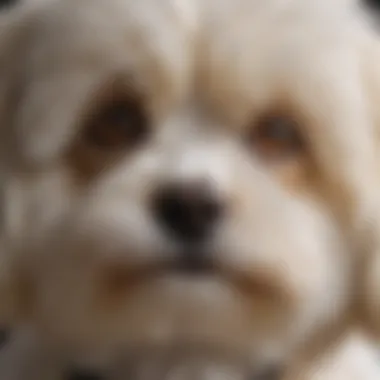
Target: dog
191 177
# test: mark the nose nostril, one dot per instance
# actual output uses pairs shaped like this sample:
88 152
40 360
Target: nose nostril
189 214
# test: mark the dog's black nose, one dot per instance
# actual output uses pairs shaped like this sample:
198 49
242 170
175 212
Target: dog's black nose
189 212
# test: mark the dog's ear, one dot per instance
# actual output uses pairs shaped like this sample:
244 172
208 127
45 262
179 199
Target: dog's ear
18 27
14 24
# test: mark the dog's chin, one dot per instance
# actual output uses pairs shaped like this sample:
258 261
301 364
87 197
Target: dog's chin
193 302
195 321
198 364
197 318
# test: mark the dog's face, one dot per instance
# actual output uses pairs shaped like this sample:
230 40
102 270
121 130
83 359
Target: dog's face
187 174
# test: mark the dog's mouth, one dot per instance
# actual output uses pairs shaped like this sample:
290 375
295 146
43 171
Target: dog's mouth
131 275
194 267
191 264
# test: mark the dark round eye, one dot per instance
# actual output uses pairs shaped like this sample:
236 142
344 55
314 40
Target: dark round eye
275 136
120 124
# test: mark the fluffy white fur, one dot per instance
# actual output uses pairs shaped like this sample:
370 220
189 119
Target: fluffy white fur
296 232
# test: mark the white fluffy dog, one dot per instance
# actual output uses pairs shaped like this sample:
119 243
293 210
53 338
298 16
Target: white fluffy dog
197 176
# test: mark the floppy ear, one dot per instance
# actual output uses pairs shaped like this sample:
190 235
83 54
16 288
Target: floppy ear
14 20
18 26
14 23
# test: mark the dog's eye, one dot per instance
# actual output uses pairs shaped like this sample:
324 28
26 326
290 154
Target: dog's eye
121 124
276 136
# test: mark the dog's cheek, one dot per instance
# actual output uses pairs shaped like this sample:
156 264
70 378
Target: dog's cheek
30 209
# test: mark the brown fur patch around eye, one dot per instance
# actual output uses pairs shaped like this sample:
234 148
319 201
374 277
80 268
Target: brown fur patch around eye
276 136
111 127
118 124
288 151
300 176
86 164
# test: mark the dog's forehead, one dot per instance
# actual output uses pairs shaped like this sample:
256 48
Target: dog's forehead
155 39
241 50
233 54
263 45
146 39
